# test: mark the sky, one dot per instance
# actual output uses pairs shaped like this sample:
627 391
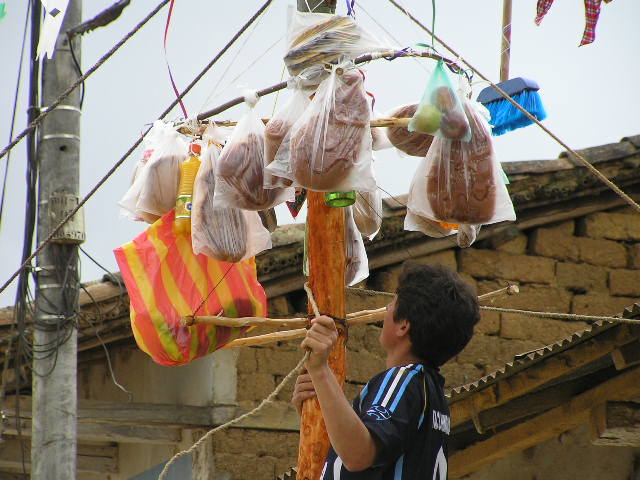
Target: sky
591 93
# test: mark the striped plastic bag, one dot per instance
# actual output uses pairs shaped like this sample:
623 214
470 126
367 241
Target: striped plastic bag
166 281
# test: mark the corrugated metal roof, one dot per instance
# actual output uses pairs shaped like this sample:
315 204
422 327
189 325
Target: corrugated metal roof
526 360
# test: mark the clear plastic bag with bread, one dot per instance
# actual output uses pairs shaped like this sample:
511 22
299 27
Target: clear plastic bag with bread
329 148
367 213
412 143
240 171
278 128
357 268
459 185
161 175
440 112
227 234
321 38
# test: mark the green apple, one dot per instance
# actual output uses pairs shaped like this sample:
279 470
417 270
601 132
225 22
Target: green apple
426 119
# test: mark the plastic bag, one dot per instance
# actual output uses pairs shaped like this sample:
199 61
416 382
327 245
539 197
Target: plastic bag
227 234
440 111
461 183
330 145
379 140
466 234
357 268
367 213
320 38
161 176
166 281
240 171
278 129
412 143
129 200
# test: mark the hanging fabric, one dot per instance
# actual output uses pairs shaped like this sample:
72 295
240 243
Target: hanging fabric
591 11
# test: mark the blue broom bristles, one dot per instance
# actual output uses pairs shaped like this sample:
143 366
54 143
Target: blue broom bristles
505 117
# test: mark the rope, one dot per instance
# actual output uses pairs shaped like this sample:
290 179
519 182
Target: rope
262 405
564 316
131 149
45 111
505 95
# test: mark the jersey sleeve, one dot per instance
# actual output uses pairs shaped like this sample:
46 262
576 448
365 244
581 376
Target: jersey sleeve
392 408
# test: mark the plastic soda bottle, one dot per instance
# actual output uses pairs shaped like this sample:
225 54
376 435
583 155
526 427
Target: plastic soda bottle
188 171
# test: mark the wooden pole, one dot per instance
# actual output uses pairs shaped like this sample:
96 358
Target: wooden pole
327 262
505 49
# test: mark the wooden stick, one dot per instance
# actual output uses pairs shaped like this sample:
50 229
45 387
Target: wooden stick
355 318
510 290
378 122
267 338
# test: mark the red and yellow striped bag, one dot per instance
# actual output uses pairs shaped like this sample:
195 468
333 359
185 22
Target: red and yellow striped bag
166 281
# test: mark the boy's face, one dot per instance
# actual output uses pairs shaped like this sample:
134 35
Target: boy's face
387 337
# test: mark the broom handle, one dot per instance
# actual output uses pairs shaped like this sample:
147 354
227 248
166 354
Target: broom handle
505 52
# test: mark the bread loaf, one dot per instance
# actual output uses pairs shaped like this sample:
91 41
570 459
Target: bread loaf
412 143
459 189
218 232
328 144
241 166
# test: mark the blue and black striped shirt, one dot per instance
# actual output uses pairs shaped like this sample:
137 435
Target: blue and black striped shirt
404 408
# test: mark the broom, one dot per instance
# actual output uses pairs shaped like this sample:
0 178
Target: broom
504 116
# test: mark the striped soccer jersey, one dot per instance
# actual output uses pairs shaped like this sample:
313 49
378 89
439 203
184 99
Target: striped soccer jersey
404 408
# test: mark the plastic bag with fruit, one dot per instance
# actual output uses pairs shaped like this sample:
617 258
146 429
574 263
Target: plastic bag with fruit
440 112
459 185
330 144
240 171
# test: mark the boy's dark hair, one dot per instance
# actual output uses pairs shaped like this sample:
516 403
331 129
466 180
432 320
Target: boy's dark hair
441 308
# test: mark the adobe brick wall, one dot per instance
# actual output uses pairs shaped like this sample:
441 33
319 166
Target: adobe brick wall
587 266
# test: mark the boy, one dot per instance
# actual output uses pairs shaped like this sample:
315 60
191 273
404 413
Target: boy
397 427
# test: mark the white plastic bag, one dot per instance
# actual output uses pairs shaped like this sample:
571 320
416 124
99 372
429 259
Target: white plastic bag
466 234
278 129
461 182
240 171
321 38
357 268
330 145
161 176
227 234
367 213
379 140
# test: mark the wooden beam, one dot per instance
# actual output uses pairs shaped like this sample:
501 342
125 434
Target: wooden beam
464 407
616 424
627 355
542 427
90 458
108 421
106 432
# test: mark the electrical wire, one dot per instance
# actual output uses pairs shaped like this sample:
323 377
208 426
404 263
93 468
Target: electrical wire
15 109
45 111
131 149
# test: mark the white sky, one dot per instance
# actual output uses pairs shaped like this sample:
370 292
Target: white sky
591 93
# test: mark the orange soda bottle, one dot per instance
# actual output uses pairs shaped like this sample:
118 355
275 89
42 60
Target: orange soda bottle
188 171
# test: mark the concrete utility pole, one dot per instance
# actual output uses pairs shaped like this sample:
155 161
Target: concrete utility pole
53 444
